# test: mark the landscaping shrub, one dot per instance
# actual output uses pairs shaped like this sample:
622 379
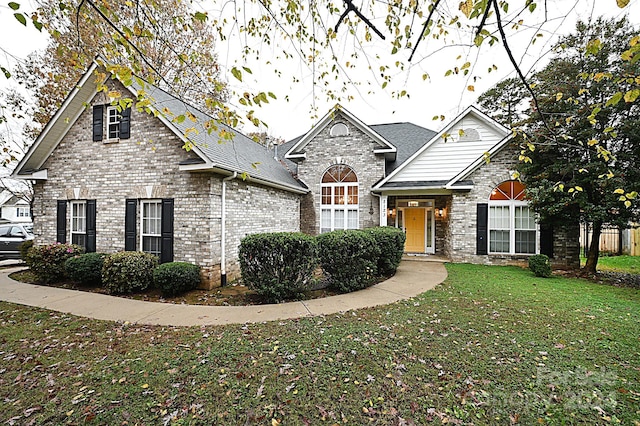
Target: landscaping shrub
540 265
24 249
390 240
47 261
176 277
349 258
278 266
85 269
128 271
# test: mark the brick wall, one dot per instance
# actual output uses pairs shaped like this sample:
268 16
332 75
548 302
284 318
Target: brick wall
462 218
354 150
146 167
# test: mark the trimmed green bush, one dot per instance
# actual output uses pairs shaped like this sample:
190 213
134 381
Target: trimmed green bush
349 259
47 261
128 271
390 240
174 278
24 249
278 266
539 264
85 269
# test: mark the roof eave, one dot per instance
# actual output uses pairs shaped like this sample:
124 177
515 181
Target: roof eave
56 119
34 175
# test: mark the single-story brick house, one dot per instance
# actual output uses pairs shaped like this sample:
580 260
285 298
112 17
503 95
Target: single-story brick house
113 180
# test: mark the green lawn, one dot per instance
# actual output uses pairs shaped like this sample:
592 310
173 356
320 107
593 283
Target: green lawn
630 264
492 345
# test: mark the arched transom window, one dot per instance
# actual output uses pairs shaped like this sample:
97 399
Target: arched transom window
339 199
512 223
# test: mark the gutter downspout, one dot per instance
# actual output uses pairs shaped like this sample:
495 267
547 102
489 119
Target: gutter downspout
223 237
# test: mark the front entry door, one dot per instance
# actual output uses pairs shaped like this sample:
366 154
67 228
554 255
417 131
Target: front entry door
414 225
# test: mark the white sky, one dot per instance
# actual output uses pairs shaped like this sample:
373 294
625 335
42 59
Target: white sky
439 95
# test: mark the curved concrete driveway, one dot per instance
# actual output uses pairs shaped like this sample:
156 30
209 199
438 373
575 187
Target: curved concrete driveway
412 278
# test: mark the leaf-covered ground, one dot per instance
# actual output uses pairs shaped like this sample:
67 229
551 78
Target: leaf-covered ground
492 345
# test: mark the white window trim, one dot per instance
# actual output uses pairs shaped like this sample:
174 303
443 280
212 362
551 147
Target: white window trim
116 123
142 217
23 211
73 231
332 208
511 204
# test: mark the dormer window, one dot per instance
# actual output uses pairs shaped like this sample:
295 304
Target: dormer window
339 129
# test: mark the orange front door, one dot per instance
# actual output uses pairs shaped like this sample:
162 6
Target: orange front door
414 228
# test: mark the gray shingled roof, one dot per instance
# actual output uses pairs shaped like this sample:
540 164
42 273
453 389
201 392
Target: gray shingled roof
408 138
240 154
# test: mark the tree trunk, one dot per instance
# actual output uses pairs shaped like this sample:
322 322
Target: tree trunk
594 249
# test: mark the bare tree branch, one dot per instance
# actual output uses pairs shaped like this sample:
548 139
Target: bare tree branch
351 7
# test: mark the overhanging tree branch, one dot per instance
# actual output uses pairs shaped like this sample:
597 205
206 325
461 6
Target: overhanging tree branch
350 8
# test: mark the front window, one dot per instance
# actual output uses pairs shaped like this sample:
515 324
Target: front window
79 223
113 123
23 212
512 223
339 199
151 226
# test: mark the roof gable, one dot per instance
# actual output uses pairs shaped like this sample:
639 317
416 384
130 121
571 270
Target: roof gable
456 148
239 154
383 146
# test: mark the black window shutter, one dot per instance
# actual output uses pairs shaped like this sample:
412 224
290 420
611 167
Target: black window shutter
98 114
130 216
61 227
481 228
91 226
125 124
166 245
546 239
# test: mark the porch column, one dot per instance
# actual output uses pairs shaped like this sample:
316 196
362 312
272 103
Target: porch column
383 210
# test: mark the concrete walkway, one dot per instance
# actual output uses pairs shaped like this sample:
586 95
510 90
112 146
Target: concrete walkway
412 278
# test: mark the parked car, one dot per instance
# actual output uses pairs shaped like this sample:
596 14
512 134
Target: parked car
11 236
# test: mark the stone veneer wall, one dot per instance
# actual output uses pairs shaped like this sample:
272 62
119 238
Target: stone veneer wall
354 150
146 167
461 234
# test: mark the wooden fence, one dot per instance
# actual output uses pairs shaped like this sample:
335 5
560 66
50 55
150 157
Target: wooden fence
613 240
634 241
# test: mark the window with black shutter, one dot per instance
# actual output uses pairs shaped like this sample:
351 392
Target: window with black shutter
98 115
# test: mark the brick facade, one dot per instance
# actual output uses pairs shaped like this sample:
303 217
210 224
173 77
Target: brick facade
461 234
146 166
354 150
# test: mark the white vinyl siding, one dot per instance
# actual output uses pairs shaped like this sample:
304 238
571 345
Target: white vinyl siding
443 160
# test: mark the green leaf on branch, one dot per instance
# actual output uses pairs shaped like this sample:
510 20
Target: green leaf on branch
631 95
14 5
593 46
20 17
614 100
236 73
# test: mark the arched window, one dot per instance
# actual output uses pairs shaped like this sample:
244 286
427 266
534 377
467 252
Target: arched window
339 129
512 223
339 199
